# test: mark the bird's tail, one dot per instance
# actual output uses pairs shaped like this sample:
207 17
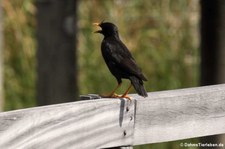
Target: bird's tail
138 86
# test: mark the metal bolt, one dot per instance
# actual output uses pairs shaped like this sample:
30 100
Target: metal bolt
124 133
127 109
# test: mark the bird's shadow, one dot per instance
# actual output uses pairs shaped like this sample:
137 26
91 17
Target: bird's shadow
122 105
122 108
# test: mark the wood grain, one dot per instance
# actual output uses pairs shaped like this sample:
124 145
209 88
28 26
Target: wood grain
90 124
180 114
113 123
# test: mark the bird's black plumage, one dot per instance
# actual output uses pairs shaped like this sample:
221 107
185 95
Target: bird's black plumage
119 59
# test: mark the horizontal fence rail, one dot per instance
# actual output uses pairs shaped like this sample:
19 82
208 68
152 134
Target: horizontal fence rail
104 123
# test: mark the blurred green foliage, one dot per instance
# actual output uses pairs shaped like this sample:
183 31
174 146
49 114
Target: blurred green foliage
19 54
162 35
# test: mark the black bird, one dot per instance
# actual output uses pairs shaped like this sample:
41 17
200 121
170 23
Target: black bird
120 61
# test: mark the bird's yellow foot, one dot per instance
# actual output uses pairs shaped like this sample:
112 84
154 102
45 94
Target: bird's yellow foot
110 96
125 96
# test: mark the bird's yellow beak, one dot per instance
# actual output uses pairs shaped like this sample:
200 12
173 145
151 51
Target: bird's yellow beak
97 24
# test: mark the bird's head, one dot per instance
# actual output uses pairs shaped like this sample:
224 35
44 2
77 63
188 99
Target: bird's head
107 29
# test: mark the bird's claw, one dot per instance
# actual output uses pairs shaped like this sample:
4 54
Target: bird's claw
110 96
116 96
127 97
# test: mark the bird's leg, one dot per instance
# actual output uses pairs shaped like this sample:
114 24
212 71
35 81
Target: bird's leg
112 94
125 94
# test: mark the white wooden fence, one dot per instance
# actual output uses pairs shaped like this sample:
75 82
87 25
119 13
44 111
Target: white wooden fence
104 123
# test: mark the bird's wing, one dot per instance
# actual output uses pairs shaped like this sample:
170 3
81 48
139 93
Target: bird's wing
119 54
130 65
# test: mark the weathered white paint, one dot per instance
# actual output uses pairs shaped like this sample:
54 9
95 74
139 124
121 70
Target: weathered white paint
180 114
86 124
162 116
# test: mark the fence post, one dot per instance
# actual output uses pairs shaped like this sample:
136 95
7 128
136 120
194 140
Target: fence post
94 96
